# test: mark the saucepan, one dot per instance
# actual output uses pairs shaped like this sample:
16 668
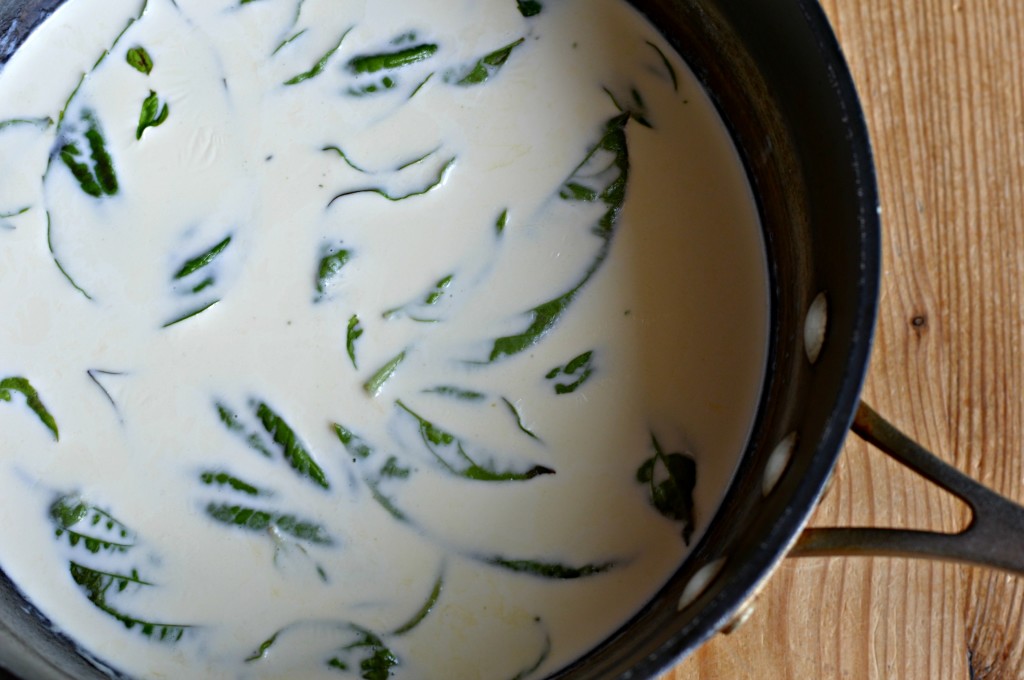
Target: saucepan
775 71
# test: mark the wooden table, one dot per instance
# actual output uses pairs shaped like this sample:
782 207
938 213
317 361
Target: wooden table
942 83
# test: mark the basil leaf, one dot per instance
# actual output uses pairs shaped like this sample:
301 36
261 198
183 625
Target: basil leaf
502 222
56 260
371 63
456 393
260 521
374 658
345 158
87 526
318 67
204 259
138 58
221 479
189 315
151 115
41 123
355 331
375 384
292 450
450 453
425 610
488 65
232 422
668 66
614 177
550 570
96 180
329 270
32 400
96 585
671 479
580 369
429 300
519 419
438 181
14 213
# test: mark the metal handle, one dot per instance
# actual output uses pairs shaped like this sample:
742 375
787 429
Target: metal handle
994 538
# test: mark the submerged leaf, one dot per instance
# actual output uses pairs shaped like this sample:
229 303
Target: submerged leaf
371 63
291 447
671 479
138 58
257 520
488 65
151 115
32 400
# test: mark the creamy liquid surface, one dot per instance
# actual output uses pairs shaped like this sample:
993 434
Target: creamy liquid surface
363 370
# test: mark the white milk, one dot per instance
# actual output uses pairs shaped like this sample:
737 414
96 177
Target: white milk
414 556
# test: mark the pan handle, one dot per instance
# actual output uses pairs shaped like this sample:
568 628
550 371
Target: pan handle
994 538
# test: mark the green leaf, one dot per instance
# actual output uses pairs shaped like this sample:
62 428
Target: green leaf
429 300
221 479
455 459
329 270
151 115
288 41
529 8
345 158
266 644
32 400
260 521
97 583
668 66
318 67
355 331
375 384
41 123
353 443
376 659
502 222
14 213
545 652
580 369
371 63
519 419
377 87
456 393
291 448
138 58
611 155
56 260
188 315
202 260
88 527
425 610
81 171
232 422
488 65
671 479
551 570
438 181
96 180
393 470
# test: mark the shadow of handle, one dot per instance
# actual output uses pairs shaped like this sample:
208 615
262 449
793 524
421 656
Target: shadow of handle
994 538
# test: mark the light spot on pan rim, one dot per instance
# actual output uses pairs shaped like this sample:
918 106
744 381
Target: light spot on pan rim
815 327
777 463
700 582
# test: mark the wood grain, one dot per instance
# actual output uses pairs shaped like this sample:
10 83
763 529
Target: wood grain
942 83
